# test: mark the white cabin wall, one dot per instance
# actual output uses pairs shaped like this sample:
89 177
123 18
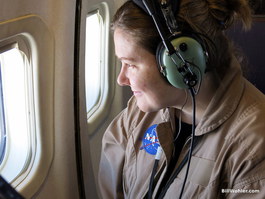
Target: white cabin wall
62 181
92 133
59 16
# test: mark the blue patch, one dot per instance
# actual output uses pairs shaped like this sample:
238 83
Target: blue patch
150 141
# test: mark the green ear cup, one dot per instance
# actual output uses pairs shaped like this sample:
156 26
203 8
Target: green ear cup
192 52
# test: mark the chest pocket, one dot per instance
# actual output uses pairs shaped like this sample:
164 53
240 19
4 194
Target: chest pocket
200 171
197 186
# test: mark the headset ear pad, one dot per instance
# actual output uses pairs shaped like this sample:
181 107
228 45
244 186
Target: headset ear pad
191 51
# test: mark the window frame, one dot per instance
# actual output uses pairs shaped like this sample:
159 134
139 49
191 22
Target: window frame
101 110
34 37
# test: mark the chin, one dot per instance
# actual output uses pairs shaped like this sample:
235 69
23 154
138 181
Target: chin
147 108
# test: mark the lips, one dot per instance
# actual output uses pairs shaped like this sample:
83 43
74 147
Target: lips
137 93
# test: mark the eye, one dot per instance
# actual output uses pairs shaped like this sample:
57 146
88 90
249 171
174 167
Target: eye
128 64
131 65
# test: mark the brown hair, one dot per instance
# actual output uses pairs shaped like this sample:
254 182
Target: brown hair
137 23
207 18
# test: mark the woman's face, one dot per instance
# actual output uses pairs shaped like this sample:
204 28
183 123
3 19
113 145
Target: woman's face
139 71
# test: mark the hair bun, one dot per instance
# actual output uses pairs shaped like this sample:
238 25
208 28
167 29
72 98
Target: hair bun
226 11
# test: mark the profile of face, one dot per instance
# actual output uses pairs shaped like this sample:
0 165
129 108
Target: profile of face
139 71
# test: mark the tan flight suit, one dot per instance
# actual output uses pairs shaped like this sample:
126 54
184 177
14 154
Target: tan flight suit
229 156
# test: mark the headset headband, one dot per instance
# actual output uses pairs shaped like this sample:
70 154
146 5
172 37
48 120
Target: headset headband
153 8
174 4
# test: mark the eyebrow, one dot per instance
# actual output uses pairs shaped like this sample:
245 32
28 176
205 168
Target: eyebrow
126 59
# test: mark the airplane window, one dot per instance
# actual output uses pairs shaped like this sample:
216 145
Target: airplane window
15 113
93 68
99 59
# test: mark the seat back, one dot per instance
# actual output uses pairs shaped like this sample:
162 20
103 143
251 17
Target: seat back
252 43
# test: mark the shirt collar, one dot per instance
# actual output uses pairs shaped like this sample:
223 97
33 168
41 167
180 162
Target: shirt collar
225 100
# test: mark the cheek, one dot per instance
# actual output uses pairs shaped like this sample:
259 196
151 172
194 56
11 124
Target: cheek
139 78
139 82
152 81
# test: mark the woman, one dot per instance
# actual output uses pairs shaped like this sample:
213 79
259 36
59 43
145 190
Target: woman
227 153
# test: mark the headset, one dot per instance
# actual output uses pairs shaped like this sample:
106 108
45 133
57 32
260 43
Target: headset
181 57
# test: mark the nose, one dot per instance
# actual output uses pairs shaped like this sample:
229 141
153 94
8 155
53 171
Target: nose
122 78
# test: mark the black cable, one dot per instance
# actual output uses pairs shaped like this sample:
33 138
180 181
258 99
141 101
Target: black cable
157 158
150 191
191 90
186 159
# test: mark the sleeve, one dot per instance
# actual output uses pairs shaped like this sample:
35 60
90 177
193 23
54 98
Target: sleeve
112 159
253 190
247 163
